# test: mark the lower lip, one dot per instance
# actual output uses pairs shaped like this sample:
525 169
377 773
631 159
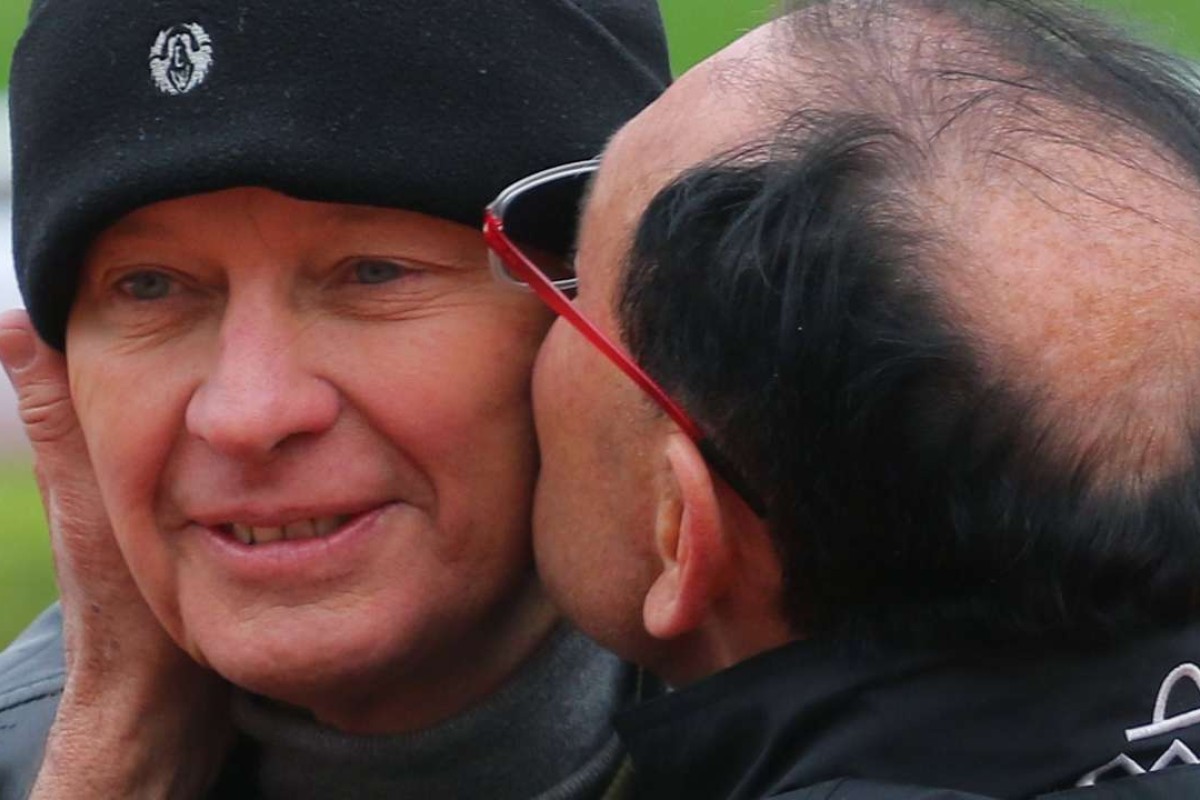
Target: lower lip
318 558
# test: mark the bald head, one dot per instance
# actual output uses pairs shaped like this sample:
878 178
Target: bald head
925 268
1062 235
1063 224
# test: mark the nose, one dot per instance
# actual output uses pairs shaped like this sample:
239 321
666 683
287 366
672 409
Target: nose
260 393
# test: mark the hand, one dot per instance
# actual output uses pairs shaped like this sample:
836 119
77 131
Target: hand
138 717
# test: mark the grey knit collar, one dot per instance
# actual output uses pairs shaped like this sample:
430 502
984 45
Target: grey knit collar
547 735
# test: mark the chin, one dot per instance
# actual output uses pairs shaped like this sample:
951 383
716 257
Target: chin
301 658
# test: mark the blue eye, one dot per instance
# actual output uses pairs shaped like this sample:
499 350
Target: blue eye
147 285
376 270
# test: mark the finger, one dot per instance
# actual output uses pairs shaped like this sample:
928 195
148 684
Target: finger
38 374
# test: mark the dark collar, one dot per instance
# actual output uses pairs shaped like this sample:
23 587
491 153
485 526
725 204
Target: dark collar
1005 724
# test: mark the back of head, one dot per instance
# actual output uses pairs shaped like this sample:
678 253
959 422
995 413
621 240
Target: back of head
943 316
428 106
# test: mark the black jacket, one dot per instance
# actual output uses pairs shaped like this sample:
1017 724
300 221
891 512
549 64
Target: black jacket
813 722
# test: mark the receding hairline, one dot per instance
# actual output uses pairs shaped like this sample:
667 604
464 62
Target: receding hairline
1097 178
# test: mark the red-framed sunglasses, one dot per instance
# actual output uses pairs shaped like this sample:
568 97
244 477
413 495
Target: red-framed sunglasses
530 231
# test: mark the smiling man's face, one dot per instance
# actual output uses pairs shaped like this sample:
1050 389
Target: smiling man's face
311 427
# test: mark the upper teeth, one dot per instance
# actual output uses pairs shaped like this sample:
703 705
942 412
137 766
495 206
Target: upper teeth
303 529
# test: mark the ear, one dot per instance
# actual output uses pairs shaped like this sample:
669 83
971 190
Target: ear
691 544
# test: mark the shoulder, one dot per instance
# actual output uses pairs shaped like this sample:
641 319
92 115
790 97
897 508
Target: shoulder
31 680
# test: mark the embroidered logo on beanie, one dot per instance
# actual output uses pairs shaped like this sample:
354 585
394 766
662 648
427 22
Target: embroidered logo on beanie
180 59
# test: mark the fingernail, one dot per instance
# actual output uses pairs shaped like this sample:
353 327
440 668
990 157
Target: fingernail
17 349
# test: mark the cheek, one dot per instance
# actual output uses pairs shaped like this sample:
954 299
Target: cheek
583 407
450 385
556 390
129 428
570 519
130 434
453 397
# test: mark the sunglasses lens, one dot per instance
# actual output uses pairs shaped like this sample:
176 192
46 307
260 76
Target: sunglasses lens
542 220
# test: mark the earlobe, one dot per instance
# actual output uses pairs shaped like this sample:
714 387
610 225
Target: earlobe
690 540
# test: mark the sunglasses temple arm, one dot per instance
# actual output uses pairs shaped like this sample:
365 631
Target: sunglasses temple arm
553 297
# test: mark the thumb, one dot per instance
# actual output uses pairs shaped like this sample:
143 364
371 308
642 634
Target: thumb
74 509
38 374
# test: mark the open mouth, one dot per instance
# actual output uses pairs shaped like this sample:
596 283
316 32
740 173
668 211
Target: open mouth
316 528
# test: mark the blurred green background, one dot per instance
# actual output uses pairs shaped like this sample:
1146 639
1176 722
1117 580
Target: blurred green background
696 28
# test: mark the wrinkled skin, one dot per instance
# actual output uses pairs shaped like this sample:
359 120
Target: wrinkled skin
353 366
120 663
243 358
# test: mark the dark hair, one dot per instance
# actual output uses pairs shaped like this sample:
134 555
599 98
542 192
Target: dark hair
783 294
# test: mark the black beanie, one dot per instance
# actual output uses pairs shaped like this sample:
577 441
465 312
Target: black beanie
428 105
